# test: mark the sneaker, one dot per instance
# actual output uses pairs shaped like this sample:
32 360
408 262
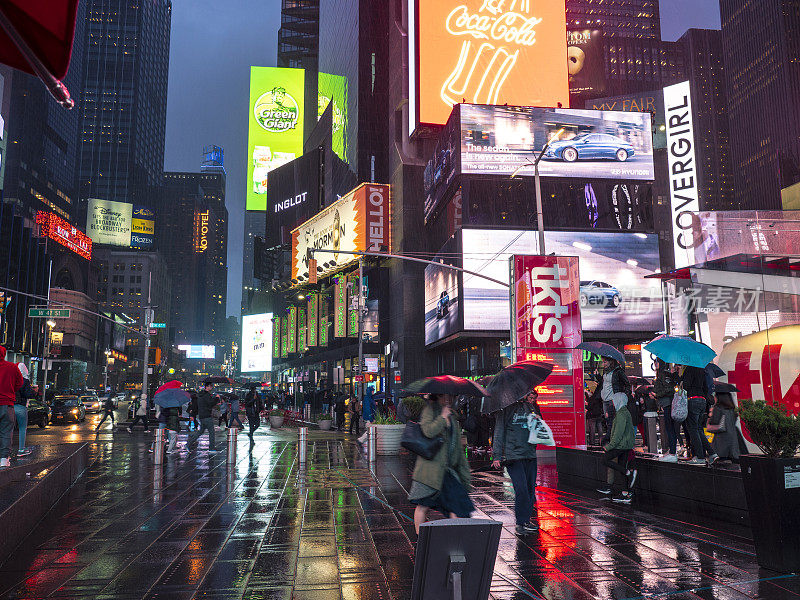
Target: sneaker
670 458
695 461
632 478
531 527
150 449
623 498
604 491
523 530
24 452
4 462
712 459
130 430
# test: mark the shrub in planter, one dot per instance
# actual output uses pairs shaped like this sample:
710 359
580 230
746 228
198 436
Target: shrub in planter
324 422
772 484
413 406
276 417
389 431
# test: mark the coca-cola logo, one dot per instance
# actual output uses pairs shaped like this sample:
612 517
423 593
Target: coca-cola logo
493 22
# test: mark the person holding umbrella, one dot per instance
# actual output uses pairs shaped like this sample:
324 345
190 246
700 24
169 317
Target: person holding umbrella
695 384
513 391
169 398
205 404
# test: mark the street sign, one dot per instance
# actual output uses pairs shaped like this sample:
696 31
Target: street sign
153 331
158 325
358 378
49 313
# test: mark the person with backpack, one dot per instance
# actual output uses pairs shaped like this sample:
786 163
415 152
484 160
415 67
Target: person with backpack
140 414
619 449
664 390
108 411
695 384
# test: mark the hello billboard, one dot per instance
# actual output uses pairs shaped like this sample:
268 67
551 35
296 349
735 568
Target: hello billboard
357 222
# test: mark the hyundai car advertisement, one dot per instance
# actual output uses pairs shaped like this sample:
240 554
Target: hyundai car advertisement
506 140
441 296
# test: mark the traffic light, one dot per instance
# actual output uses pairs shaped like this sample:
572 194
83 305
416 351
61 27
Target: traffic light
154 356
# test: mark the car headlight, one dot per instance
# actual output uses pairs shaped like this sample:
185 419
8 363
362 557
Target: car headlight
75 411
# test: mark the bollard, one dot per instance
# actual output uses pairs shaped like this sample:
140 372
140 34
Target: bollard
302 442
662 431
232 433
652 435
372 434
158 447
307 413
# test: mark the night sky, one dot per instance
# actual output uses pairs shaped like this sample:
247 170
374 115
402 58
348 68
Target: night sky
213 45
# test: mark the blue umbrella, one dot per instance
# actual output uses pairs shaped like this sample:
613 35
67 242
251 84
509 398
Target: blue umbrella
603 349
171 398
681 351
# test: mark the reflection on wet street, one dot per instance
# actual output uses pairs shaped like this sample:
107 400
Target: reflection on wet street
266 528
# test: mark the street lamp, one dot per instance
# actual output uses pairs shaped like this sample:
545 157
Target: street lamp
535 165
105 374
50 325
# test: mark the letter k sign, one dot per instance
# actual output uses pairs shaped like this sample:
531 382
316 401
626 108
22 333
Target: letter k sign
546 292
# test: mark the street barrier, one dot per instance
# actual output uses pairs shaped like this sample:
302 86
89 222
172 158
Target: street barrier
233 433
372 442
302 443
652 434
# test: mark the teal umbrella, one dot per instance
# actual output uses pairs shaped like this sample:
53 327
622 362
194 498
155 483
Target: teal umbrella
681 351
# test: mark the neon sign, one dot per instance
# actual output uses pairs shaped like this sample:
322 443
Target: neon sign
58 230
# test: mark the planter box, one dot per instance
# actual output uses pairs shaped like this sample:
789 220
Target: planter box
772 488
324 425
275 422
388 438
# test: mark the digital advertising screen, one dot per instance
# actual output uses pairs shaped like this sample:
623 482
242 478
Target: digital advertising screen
199 352
586 62
275 126
332 89
257 347
441 297
143 228
614 295
485 53
498 140
109 222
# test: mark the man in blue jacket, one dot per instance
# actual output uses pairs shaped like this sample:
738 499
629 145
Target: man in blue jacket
367 413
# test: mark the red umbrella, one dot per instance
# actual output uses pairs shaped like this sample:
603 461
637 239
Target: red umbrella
36 37
170 385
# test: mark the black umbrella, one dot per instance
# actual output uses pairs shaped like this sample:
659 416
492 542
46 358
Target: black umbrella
514 382
721 386
447 384
714 370
217 379
637 381
604 350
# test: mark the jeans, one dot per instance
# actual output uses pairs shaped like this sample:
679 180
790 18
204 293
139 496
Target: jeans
596 429
7 419
355 421
235 419
21 414
206 424
139 419
670 430
700 444
523 478
615 460
106 414
173 440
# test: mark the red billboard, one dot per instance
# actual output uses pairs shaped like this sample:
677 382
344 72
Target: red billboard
69 236
547 327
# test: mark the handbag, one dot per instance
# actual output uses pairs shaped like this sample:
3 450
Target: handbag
680 406
540 432
718 427
418 443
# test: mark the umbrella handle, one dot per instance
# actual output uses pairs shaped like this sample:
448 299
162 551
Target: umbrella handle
57 89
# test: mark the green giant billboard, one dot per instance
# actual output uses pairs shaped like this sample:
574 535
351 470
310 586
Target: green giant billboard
275 126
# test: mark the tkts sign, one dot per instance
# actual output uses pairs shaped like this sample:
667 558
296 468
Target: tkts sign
485 52
546 327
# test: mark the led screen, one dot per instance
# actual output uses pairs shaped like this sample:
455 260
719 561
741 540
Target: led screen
486 52
257 343
120 224
275 126
332 89
614 296
204 352
497 140
441 297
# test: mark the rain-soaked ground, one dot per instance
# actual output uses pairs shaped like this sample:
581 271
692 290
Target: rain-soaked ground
266 529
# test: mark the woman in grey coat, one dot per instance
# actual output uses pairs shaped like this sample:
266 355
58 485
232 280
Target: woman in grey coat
726 443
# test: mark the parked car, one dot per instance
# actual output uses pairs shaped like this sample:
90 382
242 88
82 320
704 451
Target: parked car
599 293
38 412
68 408
93 404
443 306
590 146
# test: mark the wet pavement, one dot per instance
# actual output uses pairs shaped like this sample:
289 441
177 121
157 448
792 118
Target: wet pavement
337 529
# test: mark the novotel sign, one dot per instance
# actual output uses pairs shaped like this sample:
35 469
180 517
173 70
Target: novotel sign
201 220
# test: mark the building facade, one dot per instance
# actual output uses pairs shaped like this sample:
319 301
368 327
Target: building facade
124 100
762 62
626 18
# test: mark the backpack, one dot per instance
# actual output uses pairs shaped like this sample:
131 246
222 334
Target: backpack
680 406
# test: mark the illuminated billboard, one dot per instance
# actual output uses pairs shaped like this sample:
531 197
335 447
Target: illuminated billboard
586 62
69 236
332 89
588 144
275 126
201 230
120 224
485 52
257 331
356 222
441 296
199 352
143 227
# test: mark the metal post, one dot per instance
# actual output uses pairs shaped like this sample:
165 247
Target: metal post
539 213
662 430
360 333
233 432
158 447
146 331
48 333
652 435
307 412
302 442
372 443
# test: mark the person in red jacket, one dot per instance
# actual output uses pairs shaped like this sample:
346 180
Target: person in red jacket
10 381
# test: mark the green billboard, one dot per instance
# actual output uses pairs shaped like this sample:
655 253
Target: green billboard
275 126
333 89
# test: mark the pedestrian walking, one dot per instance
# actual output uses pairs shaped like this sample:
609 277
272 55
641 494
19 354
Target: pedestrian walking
595 419
108 411
10 383
169 420
355 415
205 404
193 424
664 388
252 408
614 381
368 413
140 414
222 421
722 423
618 450
510 448
234 409
340 408
443 482
24 394
695 384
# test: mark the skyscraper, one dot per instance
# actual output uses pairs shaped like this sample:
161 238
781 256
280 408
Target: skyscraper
124 100
626 18
762 64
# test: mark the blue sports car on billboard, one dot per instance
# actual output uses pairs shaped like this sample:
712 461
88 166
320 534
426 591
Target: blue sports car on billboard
599 294
590 146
